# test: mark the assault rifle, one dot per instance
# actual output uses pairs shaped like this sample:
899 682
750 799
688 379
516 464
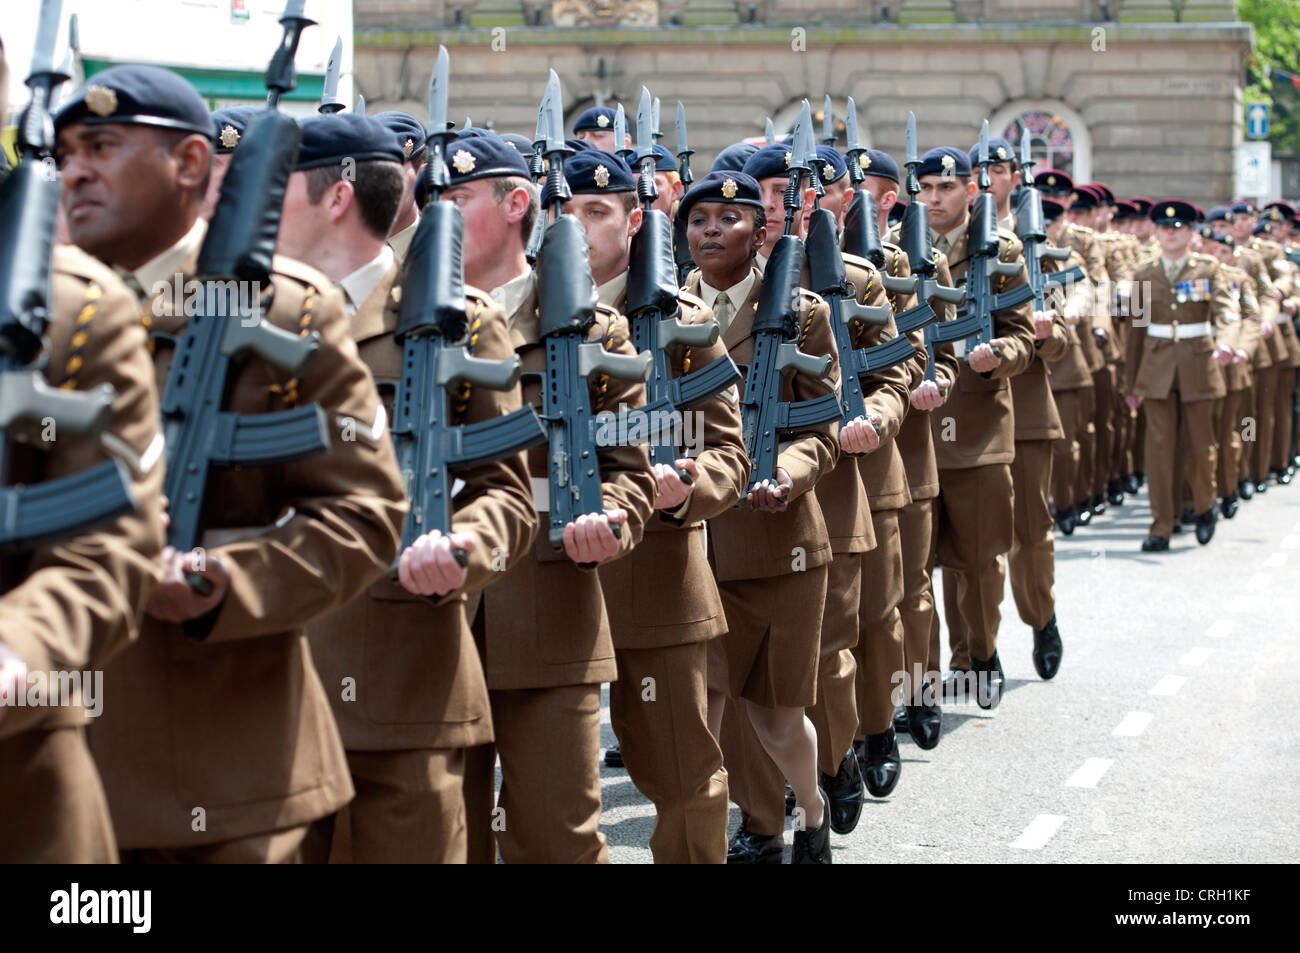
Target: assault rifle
1033 233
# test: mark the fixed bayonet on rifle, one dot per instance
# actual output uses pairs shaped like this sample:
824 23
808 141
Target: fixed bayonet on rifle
769 132
537 169
1032 233
431 330
861 221
238 250
281 77
566 302
621 148
765 418
29 200
329 99
653 309
655 131
828 123
682 251
361 106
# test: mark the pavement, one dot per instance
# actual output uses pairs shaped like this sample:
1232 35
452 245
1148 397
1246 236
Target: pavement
1161 740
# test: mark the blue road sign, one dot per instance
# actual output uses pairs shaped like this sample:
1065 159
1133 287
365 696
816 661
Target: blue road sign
1257 121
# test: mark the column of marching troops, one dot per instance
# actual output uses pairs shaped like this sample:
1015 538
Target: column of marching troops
310 707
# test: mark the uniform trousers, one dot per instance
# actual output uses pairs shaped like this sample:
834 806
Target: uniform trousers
918 534
1170 423
881 660
1031 564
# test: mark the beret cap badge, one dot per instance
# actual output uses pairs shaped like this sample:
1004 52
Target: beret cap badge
408 147
229 136
949 164
101 100
601 175
864 160
463 162
729 188
1002 153
602 120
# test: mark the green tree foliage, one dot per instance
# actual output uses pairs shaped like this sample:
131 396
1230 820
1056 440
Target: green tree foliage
1273 70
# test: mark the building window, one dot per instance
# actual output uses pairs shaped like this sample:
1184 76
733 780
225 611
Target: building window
1059 138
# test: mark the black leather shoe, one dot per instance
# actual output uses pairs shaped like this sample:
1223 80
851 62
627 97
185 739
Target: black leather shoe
1205 526
900 720
1082 513
1245 489
844 794
955 682
613 757
1064 520
1097 503
1261 486
814 846
1155 544
1047 649
1115 492
1132 484
789 799
988 688
1188 515
925 724
747 848
1281 476
1228 506
1142 477
881 763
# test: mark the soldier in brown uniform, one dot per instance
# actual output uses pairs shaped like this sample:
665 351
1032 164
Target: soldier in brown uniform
413 142
1281 272
1174 369
217 742
974 438
662 600
770 558
542 631
69 605
409 705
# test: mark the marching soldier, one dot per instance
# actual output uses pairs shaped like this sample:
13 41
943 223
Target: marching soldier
219 744
542 630
662 600
417 698
1173 369
413 141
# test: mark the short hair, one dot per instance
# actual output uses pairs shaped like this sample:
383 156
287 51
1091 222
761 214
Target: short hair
377 185
167 140
503 185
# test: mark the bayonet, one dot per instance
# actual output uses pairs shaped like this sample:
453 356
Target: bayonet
329 100
654 121
620 135
828 123
281 76
361 106
769 132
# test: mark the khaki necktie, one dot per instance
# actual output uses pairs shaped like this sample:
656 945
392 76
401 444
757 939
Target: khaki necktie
1171 270
722 311
941 243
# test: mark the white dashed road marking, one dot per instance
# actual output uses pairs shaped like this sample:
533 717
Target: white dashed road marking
1168 685
1134 723
1220 629
1090 773
1195 657
1039 832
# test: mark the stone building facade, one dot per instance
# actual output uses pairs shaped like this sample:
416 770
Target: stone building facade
1145 94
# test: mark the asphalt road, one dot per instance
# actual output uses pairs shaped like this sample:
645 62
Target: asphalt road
1164 738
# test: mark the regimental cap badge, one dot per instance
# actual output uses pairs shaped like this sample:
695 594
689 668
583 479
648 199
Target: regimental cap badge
1074 197
828 174
601 175
408 147
787 159
949 164
463 162
1002 153
101 100
602 120
864 160
1169 212
729 188
229 136
1050 180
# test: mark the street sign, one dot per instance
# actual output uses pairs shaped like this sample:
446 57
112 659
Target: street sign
1257 121
1254 169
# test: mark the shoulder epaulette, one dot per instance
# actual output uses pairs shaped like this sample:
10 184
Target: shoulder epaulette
71 260
297 270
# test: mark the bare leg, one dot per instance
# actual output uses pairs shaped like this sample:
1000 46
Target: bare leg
791 741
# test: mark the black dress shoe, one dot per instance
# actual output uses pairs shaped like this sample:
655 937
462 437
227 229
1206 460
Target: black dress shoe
1132 484
925 724
747 848
613 757
1115 492
1047 649
955 682
988 681
1228 506
1082 513
1142 477
1245 489
1155 544
1097 503
844 794
814 846
1261 486
1205 526
1283 477
900 720
1188 515
881 763
1064 520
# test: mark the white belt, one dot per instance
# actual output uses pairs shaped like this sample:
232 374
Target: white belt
1180 332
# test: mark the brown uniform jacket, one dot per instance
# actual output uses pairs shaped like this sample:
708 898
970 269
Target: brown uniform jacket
980 407
1071 370
1273 350
750 545
417 681
545 623
1085 241
227 713
1242 288
1031 394
663 592
1155 366
1273 265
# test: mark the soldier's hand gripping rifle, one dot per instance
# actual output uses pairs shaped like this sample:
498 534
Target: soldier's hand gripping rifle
829 279
653 310
765 417
1033 234
238 250
682 249
431 330
566 297
29 200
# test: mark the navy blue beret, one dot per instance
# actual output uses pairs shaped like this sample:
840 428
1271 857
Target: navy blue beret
597 117
578 145
734 157
479 157
521 143
1219 213
833 165
769 162
730 187
412 138
333 138
665 161
1173 212
945 160
593 172
999 151
469 132
229 124
1243 207
875 162
139 95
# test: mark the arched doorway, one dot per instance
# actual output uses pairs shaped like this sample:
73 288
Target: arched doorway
1058 135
